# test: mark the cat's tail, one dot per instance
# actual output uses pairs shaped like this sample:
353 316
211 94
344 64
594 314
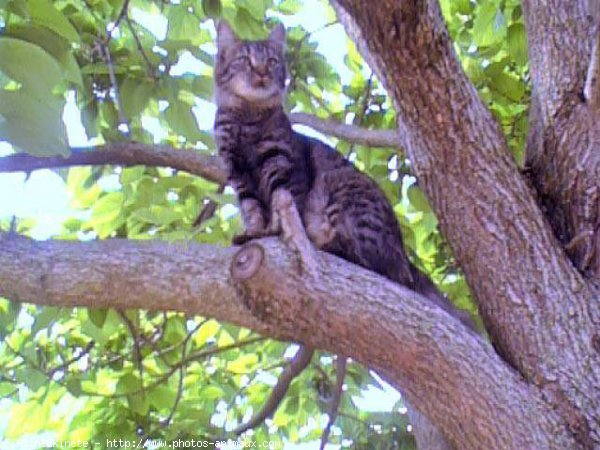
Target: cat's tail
423 285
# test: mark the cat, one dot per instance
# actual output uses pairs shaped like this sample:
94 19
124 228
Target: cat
343 210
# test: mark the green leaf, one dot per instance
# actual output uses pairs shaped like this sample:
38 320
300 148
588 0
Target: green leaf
139 403
55 45
108 207
45 14
182 24
129 382
509 86
489 25
73 385
8 316
162 397
26 418
517 43
135 94
107 214
32 124
212 8
98 316
247 26
157 215
463 6
418 200
212 392
256 8
35 379
243 364
202 86
206 331
175 330
131 174
181 119
290 6
45 317
24 62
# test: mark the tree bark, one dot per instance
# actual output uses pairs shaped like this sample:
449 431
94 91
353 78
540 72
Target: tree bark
563 153
414 344
486 210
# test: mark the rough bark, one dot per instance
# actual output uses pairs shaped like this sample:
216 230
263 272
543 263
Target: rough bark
486 210
427 435
563 154
417 346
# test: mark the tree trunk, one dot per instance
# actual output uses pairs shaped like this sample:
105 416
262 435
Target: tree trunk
486 209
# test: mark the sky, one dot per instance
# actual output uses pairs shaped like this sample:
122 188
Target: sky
43 196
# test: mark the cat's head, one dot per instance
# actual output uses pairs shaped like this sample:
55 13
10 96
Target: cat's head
249 72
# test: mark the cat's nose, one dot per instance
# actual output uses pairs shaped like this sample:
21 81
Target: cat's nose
260 81
262 70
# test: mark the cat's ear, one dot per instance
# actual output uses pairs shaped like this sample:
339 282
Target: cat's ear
277 36
225 35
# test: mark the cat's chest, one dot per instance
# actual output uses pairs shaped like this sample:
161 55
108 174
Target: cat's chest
250 135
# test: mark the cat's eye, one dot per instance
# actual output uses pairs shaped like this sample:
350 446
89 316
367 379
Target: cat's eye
272 62
242 60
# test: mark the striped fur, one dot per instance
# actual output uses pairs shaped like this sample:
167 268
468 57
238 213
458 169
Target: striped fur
343 210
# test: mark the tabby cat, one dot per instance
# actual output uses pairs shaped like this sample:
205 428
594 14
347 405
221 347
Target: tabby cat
343 210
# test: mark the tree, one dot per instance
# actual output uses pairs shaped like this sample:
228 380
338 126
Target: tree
520 219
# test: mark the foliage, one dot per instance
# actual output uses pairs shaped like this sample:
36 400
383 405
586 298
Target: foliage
142 70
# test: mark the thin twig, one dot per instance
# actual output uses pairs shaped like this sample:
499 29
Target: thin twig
209 209
65 365
136 346
140 48
334 407
122 14
363 110
115 86
295 366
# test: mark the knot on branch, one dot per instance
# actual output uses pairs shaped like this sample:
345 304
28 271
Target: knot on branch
245 265
247 261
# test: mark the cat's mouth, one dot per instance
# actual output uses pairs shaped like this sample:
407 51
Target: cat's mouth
261 83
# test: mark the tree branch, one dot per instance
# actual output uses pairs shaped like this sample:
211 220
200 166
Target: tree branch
560 40
340 374
209 167
350 133
293 368
563 148
415 345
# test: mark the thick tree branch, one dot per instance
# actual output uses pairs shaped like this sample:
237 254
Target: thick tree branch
563 151
485 208
350 133
559 36
415 345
